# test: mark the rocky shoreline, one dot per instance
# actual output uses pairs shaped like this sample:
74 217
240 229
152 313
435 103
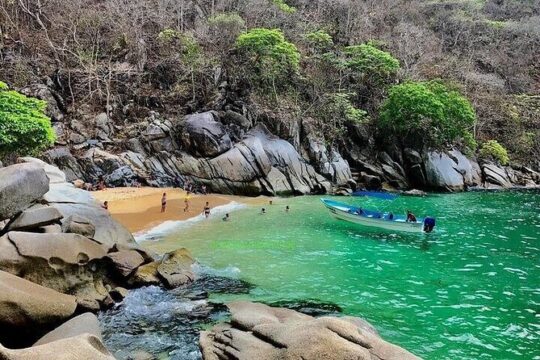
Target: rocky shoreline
63 259
237 152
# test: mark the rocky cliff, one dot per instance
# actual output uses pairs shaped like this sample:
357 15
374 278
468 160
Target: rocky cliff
235 151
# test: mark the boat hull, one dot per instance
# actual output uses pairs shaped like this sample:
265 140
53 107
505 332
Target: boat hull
344 212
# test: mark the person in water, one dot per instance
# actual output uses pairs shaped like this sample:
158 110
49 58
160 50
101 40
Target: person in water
390 216
270 202
410 216
263 211
226 217
105 205
359 211
287 208
207 210
163 202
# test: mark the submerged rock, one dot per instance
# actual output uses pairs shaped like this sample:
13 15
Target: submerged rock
257 331
175 268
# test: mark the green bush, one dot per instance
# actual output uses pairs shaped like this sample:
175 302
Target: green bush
368 61
24 127
491 149
283 6
428 113
319 40
270 55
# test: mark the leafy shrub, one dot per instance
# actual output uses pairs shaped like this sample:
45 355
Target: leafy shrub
319 40
270 55
368 61
24 127
283 6
231 21
427 113
491 149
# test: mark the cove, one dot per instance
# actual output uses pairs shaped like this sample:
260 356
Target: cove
470 290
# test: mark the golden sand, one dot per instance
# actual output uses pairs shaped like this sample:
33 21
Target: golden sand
140 208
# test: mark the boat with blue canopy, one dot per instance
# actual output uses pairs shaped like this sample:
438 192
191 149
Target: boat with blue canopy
377 219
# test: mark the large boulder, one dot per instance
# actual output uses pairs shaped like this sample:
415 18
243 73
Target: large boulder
203 136
77 224
35 217
20 186
28 309
54 174
44 92
62 157
86 323
175 268
441 172
125 262
81 347
496 176
67 263
257 331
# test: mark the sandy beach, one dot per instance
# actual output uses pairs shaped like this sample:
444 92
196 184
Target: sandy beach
139 209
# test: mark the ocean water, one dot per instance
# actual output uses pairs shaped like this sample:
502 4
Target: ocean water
470 290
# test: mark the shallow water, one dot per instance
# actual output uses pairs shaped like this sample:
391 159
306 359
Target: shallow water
471 290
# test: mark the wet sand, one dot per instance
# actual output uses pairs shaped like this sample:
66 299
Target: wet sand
139 209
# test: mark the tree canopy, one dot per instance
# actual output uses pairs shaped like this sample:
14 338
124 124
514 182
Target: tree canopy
428 113
24 127
269 53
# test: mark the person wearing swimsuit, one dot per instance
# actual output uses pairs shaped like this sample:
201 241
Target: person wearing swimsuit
164 202
207 210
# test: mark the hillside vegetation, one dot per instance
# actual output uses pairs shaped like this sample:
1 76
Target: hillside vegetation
419 73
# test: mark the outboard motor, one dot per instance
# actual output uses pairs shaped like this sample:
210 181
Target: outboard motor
429 224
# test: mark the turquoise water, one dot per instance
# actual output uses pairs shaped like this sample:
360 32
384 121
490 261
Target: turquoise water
471 290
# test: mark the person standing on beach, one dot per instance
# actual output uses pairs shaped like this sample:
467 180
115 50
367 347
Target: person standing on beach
186 203
207 210
105 205
164 202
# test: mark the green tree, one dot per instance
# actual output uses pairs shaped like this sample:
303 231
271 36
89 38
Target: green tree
269 55
428 113
370 63
24 127
283 6
320 41
335 112
491 149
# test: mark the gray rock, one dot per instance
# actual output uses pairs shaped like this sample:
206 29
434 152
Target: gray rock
43 92
54 174
441 172
175 268
62 157
232 117
77 224
257 331
66 193
125 262
35 217
412 156
203 136
86 323
20 186
372 182
108 231
496 175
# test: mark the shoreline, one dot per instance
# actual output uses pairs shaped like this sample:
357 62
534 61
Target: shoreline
139 209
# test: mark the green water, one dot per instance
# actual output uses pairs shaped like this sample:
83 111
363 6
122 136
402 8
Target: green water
469 291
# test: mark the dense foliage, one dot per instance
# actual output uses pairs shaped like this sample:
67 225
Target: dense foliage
24 128
270 55
283 59
492 150
427 113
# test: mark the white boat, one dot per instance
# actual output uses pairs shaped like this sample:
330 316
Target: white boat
377 219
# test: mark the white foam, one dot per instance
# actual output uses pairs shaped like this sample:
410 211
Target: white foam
170 226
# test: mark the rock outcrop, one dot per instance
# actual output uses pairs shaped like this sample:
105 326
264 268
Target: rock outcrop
28 309
20 186
257 331
173 270
86 323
